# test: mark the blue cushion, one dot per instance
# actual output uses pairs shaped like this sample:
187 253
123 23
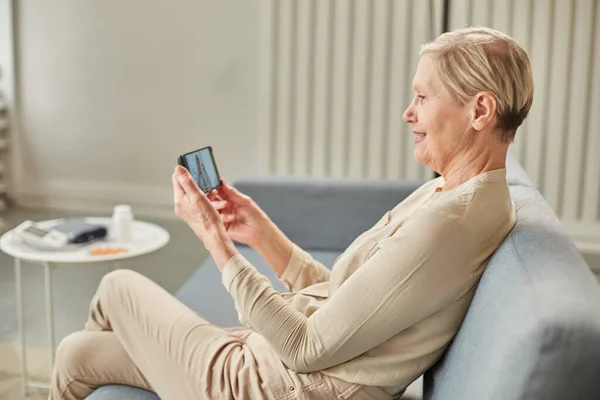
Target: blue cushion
533 328
325 214
515 174
121 392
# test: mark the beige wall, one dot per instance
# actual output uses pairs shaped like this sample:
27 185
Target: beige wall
112 92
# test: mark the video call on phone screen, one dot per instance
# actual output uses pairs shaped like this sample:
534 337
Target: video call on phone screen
202 168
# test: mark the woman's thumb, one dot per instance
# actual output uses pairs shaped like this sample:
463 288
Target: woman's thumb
229 190
225 185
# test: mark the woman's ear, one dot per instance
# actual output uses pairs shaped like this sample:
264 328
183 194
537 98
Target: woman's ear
484 110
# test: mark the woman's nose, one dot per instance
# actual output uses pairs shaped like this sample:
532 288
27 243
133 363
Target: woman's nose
409 115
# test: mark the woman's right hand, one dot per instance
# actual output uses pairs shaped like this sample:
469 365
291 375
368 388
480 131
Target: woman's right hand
244 220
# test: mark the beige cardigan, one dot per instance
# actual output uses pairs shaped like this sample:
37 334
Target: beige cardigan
394 299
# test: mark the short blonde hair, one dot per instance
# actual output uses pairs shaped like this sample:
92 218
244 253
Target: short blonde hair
474 60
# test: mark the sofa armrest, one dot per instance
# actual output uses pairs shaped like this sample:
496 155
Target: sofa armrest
325 213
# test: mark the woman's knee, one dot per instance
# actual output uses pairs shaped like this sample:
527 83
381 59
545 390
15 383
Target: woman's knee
118 292
118 282
72 353
120 277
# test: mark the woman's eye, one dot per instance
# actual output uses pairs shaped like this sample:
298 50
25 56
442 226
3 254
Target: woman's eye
420 98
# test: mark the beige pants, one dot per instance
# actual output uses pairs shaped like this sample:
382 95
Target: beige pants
138 334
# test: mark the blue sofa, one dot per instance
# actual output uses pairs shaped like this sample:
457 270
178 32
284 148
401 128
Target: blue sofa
533 328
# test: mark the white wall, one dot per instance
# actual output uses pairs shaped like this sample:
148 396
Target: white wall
5 41
112 92
7 71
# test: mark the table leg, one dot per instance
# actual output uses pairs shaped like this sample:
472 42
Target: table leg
49 312
21 323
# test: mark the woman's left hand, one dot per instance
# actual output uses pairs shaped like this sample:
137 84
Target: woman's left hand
194 207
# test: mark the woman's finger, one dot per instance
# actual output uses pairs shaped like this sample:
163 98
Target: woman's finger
227 187
178 191
187 183
219 204
214 195
226 218
231 192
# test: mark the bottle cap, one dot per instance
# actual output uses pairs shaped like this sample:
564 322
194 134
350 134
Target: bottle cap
123 208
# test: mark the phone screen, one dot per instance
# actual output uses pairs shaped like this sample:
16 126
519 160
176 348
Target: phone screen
201 165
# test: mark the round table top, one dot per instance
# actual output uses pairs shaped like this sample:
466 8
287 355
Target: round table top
146 238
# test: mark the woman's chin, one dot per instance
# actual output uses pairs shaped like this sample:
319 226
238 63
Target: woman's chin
420 155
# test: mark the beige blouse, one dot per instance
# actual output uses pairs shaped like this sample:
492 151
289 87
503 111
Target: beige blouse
394 299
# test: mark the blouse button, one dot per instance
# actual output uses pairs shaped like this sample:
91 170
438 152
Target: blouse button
291 388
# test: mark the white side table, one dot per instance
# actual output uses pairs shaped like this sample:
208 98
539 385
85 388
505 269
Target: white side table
146 238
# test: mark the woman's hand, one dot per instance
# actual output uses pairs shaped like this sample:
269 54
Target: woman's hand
194 207
247 223
243 220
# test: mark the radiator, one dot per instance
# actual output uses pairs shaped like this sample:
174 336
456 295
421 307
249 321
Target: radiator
336 77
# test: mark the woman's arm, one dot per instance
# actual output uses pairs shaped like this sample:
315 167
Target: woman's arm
245 222
220 217
294 267
274 247
425 266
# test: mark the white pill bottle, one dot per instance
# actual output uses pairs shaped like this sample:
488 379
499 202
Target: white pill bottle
122 223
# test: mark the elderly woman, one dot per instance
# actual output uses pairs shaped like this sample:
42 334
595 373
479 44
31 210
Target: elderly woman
391 303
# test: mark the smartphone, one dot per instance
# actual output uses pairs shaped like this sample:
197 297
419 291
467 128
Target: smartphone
201 164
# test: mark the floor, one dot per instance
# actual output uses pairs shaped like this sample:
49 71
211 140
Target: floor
73 289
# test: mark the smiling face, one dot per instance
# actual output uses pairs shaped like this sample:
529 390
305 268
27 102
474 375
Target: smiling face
442 127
